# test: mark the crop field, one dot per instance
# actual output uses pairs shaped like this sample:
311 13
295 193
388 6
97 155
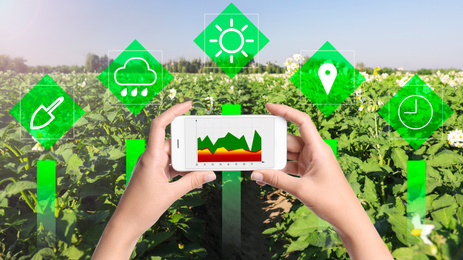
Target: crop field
91 175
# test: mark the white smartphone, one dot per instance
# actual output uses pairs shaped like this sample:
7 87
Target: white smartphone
228 143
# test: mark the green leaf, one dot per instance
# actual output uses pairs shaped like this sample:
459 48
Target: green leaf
115 154
303 226
298 245
399 157
73 253
445 158
158 238
403 253
93 189
459 198
433 149
270 231
73 163
460 215
399 226
371 167
369 191
65 225
15 188
443 209
44 253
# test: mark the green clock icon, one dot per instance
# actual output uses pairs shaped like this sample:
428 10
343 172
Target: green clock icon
415 112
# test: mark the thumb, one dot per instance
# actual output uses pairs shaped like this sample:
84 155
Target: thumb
277 179
193 180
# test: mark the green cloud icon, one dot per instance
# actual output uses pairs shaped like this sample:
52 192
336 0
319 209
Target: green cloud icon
135 72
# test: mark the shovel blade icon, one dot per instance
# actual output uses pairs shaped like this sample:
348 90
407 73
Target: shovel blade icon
47 112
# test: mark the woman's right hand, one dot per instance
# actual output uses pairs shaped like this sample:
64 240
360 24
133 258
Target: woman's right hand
322 186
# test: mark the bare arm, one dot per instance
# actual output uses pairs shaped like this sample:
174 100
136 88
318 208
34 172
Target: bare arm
323 187
149 193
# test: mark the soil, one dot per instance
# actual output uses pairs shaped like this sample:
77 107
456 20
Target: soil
257 214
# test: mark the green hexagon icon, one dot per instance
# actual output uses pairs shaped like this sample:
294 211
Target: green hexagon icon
231 40
327 79
135 77
47 112
415 112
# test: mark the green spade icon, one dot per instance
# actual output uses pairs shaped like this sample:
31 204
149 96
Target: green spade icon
45 112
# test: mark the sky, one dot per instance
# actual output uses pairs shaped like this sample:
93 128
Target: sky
408 34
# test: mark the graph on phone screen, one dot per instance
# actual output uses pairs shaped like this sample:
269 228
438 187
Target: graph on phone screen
230 148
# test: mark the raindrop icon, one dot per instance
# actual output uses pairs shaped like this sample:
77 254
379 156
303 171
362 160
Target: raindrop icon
134 92
124 92
144 92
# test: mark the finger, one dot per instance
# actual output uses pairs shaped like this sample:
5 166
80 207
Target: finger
277 179
192 181
167 146
173 173
295 143
292 156
307 129
261 183
292 168
159 124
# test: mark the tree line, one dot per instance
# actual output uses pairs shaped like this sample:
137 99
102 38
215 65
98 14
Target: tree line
96 64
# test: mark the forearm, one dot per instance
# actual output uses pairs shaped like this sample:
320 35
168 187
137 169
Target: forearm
360 237
118 239
127 224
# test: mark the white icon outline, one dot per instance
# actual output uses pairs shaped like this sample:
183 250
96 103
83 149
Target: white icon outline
327 80
415 128
242 40
137 84
48 109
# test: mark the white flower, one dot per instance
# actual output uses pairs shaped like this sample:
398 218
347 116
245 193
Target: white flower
38 147
360 108
402 81
455 138
289 60
421 230
358 92
380 103
232 87
210 105
172 94
297 57
294 66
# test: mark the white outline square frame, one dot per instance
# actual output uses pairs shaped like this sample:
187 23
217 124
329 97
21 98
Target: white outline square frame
389 114
120 52
20 129
351 61
256 60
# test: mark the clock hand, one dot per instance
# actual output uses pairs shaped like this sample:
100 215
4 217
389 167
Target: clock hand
416 108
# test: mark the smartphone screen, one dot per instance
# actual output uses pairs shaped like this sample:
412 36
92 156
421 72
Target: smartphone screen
229 142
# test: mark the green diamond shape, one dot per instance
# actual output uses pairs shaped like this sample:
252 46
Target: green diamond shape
308 81
231 40
415 112
47 112
135 77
